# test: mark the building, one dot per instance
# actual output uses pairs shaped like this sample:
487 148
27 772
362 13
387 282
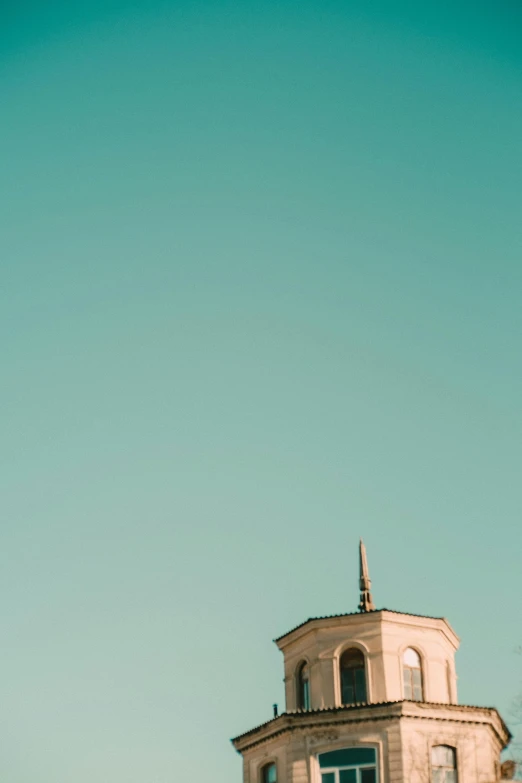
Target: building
371 697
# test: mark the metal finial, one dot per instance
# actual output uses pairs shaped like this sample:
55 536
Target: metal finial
366 604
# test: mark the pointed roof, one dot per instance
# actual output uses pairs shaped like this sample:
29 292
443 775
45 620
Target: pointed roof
366 603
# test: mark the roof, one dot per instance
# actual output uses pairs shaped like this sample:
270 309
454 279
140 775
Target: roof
353 614
285 720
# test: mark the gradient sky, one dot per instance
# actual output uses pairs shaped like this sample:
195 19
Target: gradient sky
260 293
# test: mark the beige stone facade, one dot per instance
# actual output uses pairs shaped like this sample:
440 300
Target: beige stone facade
407 731
382 636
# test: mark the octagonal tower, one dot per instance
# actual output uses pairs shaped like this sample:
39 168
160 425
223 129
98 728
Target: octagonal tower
371 697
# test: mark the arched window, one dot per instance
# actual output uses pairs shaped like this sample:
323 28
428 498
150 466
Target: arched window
443 764
412 675
303 686
269 773
349 765
353 677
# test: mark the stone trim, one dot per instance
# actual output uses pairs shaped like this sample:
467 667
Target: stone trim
363 615
291 721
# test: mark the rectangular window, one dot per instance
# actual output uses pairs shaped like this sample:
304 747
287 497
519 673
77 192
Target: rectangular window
443 764
349 765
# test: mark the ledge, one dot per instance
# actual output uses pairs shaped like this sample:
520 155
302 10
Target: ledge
366 616
357 713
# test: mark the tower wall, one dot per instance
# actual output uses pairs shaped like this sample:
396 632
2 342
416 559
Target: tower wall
398 685
403 735
382 637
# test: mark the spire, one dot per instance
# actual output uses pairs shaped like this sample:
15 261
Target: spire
366 604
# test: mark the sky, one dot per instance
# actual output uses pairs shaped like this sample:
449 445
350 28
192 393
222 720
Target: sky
260 294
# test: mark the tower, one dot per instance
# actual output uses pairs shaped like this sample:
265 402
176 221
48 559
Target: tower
371 697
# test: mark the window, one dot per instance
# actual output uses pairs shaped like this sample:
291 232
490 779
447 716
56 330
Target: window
269 773
412 675
353 678
350 765
303 686
443 764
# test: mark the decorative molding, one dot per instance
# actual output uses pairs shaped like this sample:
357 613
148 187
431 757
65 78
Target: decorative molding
325 736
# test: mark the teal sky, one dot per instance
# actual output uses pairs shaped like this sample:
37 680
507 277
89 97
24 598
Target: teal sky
260 293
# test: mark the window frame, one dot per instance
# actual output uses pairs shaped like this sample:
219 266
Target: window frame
364 654
405 667
455 757
263 769
374 765
303 664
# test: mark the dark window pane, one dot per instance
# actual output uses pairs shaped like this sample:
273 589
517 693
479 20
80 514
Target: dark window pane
360 685
352 659
347 776
368 776
353 677
303 687
328 777
305 700
348 691
270 774
347 757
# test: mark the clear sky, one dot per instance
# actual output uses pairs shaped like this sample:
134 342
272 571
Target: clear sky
260 293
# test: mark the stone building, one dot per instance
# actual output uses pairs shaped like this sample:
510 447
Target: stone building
371 697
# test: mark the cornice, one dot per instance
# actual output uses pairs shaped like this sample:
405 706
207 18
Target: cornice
363 713
377 615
